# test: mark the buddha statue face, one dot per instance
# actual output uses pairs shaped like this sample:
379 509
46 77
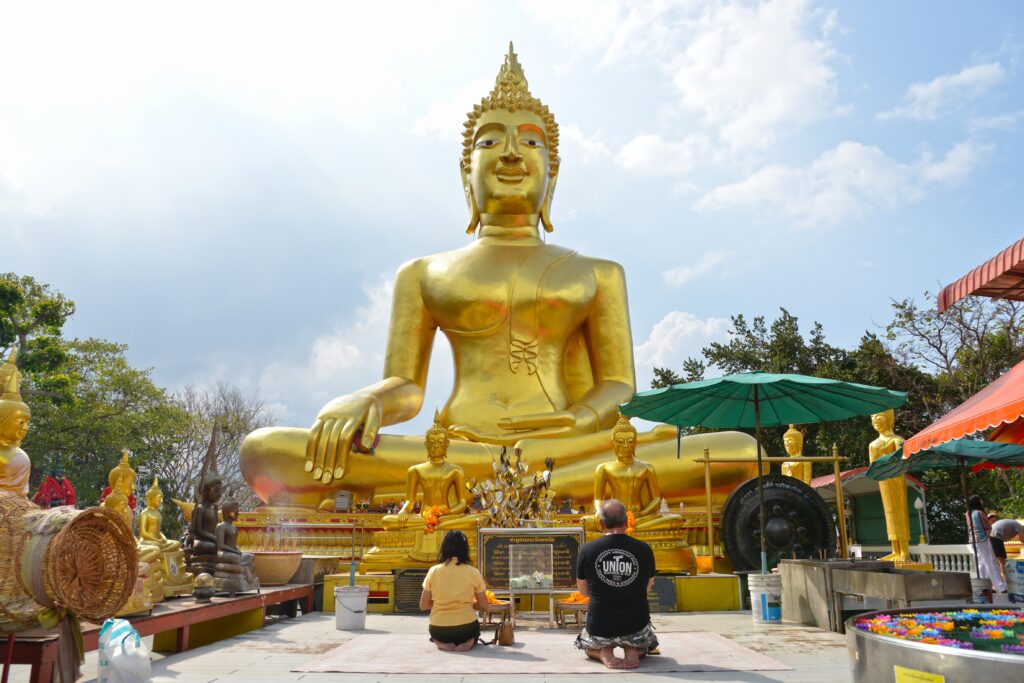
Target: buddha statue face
14 423
624 444
437 446
154 499
229 510
883 421
211 491
125 484
510 163
793 441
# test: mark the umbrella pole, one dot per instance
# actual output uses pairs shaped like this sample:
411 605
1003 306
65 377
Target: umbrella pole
970 517
760 489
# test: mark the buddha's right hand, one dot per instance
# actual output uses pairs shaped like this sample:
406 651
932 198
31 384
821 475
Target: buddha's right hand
330 437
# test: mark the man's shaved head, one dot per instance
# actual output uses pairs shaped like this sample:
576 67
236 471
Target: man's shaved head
612 514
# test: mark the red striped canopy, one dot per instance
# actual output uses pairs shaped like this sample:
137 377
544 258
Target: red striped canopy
1001 277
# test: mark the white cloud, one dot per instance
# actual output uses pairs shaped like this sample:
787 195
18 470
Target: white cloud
926 101
844 183
676 277
1007 121
591 146
444 117
749 73
653 155
676 337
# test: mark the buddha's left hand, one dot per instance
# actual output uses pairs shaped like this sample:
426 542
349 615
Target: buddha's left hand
534 426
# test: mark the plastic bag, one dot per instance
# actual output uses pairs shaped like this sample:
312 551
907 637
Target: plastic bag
124 658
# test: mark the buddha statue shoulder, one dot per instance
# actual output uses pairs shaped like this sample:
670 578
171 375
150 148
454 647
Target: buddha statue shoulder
540 337
15 416
793 442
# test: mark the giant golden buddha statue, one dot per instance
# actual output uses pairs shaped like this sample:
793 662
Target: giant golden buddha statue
894 491
15 416
540 337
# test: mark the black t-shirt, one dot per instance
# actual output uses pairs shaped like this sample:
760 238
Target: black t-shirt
617 568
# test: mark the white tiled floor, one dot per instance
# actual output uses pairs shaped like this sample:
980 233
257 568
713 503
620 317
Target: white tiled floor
270 654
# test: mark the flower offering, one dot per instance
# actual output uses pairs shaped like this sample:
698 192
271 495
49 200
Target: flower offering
992 630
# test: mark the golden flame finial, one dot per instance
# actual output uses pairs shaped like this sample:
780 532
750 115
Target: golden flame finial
437 427
623 425
511 80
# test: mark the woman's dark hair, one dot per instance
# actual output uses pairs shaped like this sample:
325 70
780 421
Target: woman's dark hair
455 544
974 503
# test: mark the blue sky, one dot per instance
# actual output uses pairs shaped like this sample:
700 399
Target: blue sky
229 188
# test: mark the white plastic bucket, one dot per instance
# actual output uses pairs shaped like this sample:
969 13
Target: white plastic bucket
765 597
981 591
350 607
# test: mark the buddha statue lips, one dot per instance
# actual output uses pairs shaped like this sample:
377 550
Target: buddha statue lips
540 337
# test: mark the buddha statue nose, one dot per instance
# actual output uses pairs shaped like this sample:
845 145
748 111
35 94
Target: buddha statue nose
511 155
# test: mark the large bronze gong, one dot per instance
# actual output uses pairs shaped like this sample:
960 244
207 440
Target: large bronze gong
797 523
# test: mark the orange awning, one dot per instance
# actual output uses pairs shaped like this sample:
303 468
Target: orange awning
1001 277
1000 402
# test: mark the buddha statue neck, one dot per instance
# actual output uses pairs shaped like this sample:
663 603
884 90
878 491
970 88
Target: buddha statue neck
510 230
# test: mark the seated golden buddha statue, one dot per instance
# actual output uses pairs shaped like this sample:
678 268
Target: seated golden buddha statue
438 484
540 338
635 484
176 580
793 441
15 416
234 571
149 585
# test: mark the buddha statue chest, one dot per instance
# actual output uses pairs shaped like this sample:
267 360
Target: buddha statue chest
542 292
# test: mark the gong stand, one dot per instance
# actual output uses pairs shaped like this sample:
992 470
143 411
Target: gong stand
840 506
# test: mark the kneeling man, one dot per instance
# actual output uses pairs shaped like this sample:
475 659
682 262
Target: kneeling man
616 571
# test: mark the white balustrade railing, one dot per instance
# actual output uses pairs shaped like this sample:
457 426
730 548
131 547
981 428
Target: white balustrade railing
947 558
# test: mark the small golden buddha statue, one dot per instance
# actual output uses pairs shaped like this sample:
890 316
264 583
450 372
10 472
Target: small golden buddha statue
176 580
441 488
15 416
631 481
149 588
440 484
793 441
894 491
540 338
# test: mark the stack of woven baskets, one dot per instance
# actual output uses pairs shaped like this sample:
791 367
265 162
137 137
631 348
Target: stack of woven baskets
80 561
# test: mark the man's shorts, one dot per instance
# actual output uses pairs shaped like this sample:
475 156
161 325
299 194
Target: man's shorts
643 640
997 547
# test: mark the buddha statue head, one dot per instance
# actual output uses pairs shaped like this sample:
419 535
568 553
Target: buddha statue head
793 441
510 152
154 496
210 486
15 415
229 508
436 440
624 439
122 477
884 421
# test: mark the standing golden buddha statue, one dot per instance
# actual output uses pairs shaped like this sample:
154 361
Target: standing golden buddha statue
540 338
793 441
894 491
176 580
15 416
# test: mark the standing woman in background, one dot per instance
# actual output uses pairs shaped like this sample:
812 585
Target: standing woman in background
988 567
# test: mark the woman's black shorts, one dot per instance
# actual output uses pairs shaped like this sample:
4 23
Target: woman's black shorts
455 634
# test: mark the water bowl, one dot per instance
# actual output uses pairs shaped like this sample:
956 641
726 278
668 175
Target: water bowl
276 567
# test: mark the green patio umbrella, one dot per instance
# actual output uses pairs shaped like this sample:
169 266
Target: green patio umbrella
756 399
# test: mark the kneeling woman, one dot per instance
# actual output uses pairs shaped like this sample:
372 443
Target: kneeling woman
449 592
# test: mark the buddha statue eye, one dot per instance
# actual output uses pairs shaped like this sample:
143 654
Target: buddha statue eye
486 143
533 143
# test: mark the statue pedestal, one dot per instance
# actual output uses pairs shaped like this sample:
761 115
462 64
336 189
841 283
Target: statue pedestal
408 549
174 577
147 592
233 578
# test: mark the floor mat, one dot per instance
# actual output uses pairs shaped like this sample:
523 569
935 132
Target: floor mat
533 652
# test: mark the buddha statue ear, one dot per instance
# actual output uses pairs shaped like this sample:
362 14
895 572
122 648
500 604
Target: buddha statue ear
474 212
545 208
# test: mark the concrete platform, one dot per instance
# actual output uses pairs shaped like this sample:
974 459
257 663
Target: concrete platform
271 653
